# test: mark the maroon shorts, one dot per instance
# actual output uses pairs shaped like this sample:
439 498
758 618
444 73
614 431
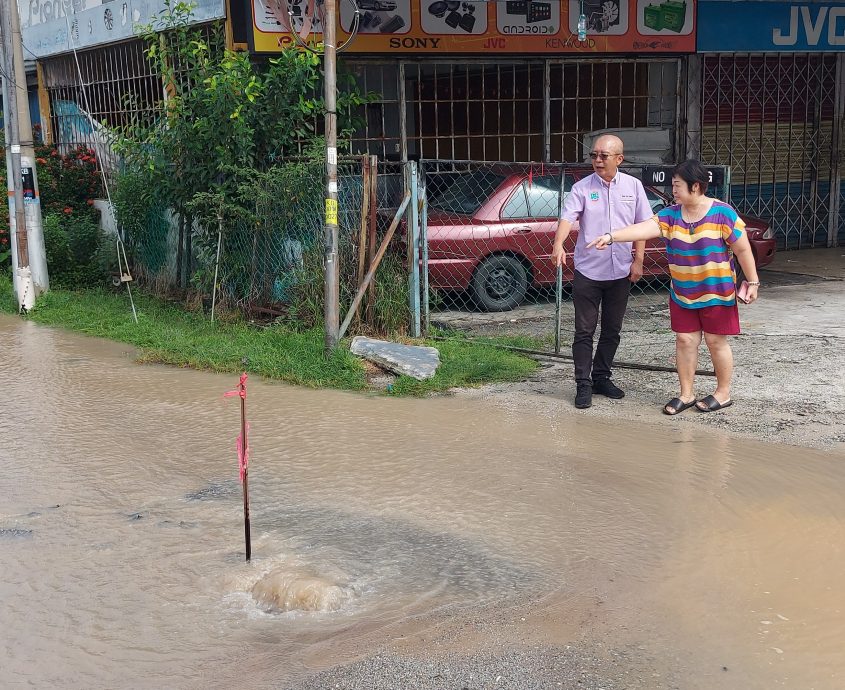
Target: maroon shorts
718 320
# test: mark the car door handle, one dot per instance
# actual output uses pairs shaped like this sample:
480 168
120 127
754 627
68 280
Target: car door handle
522 229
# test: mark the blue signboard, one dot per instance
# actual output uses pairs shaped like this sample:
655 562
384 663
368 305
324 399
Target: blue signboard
50 27
815 26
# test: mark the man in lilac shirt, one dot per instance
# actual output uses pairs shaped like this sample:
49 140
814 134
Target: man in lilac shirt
605 200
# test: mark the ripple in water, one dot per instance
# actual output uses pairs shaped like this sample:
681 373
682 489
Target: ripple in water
215 491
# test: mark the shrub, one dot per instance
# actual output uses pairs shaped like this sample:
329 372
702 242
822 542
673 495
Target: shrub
67 184
78 253
5 248
68 180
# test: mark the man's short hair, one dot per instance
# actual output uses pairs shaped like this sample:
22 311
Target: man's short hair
692 171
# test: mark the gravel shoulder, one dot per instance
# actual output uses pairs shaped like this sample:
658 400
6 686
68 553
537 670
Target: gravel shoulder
789 377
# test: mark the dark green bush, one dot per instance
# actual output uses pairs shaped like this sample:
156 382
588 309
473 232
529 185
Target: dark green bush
78 253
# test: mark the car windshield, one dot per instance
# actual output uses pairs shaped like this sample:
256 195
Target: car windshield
462 193
655 201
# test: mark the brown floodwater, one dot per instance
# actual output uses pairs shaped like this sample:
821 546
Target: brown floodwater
121 537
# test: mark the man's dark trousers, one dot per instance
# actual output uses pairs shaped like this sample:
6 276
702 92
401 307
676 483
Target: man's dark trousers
588 296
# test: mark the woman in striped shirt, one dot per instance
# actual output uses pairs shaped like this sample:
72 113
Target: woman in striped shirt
701 234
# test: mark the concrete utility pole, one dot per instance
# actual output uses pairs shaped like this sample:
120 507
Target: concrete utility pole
29 258
332 291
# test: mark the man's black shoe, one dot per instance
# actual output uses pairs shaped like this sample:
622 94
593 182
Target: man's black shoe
608 388
584 396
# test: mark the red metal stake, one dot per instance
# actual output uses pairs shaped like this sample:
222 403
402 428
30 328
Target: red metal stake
243 457
245 450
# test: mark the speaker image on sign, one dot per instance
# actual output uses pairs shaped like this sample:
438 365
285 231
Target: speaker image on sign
453 17
377 16
603 17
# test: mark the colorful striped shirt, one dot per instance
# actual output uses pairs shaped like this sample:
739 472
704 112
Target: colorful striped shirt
699 254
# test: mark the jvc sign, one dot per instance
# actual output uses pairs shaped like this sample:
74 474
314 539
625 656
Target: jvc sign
812 25
770 26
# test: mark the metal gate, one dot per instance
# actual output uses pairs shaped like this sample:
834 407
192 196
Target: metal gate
776 120
487 231
511 110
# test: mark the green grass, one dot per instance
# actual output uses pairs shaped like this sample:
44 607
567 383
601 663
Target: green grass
168 334
467 364
7 297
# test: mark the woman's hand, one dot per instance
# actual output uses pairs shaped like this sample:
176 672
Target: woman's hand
602 242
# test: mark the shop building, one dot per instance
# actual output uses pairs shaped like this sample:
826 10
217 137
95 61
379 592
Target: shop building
757 86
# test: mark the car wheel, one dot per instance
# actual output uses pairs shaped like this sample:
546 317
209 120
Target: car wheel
500 283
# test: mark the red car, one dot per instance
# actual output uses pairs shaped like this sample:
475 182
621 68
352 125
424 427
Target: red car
491 232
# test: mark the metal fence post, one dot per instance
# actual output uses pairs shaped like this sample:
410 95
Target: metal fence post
559 272
413 241
833 229
426 311
558 303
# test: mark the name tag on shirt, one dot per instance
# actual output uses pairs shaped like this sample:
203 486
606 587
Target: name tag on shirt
627 198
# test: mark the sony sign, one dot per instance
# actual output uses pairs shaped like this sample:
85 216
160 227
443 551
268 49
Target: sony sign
828 22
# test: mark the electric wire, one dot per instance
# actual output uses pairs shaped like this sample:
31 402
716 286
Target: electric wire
353 30
122 263
121 252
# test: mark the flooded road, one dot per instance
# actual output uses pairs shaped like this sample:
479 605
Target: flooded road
425 526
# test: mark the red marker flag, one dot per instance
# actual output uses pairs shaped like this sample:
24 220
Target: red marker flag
242 445
243 456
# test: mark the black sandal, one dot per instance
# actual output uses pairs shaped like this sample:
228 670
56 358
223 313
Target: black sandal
676 405
711 404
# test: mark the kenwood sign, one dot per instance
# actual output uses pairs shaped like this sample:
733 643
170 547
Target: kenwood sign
770 26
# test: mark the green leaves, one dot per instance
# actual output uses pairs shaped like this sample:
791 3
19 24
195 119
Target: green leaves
224 118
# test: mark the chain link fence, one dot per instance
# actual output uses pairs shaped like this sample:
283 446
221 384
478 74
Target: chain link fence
489 230
483 234
265 253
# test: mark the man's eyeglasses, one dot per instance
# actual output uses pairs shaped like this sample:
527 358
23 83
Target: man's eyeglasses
602 155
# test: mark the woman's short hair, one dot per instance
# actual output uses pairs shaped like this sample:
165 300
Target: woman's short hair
692 171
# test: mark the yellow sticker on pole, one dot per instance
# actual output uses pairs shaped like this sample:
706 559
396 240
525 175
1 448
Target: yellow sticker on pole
331 211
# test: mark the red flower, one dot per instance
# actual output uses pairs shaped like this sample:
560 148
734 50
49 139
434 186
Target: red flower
68 210
41 160
90 202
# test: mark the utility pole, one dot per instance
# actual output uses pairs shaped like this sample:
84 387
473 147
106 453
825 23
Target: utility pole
29 259
332 291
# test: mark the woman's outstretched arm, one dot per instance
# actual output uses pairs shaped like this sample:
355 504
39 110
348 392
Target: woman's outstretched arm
647 230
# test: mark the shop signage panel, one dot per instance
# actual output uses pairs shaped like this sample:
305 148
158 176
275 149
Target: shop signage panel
487 28
49 27
817 26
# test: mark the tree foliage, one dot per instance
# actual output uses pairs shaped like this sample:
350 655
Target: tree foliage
224 115
224 121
